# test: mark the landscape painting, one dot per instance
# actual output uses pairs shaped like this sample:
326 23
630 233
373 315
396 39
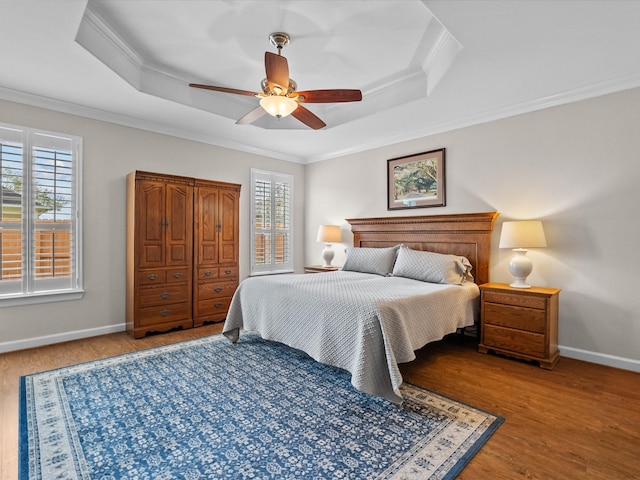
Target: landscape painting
416 181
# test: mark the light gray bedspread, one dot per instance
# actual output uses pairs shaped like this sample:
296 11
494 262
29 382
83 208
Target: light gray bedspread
366 324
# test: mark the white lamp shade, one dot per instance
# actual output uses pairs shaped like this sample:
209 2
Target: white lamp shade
329 234
278 105
522 234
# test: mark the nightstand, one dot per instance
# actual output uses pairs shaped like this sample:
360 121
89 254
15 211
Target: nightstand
319 269
520 322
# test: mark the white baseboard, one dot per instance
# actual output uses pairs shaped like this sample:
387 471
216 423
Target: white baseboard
59 338
570 352
600 358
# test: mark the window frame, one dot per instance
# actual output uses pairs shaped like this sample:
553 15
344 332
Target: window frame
272 267
33 290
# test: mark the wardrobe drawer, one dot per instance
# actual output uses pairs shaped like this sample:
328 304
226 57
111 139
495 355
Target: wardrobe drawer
163 295
216 306
519 341
178 275
216 290
222 273
208 273
163 314
528 319
151 277
228 273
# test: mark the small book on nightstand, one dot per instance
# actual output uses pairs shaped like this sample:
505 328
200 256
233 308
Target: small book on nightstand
319 269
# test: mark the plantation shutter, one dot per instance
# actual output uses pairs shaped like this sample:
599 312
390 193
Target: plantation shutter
11 217
40 234
271 214
52 208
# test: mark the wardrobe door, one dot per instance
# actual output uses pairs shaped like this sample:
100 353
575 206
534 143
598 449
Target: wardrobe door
159 253
229 228
216 233
149 223
178 225
206 232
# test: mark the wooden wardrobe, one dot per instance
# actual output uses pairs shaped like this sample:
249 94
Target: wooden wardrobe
182 251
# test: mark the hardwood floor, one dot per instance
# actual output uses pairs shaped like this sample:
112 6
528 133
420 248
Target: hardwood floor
579 421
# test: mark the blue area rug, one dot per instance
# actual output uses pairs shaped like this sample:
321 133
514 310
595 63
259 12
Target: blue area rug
208 409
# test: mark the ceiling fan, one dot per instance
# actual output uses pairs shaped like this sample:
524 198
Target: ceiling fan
279 97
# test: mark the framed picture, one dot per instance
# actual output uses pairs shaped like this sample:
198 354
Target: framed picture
416 181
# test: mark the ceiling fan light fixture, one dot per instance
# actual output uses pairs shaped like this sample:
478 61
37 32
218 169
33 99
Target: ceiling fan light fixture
280 97
278 106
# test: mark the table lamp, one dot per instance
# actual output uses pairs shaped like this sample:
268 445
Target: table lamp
519 236
328 234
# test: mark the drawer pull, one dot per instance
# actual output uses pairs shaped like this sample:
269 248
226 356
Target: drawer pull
219 305
208 273
177 274
165 295
218 289
164 313
153 276
227 272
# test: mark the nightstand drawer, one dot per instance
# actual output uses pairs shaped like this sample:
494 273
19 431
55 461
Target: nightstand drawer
514 340
527 319
516 299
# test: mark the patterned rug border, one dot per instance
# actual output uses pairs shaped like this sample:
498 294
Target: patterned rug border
480 441
409 390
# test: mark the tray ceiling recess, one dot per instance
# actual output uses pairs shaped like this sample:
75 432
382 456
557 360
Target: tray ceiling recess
162 52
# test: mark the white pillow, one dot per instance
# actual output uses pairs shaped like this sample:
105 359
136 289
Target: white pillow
371 260
432 267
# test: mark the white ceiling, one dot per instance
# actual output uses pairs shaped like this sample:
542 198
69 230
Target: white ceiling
423 66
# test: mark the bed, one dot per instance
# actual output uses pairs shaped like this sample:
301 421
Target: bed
363 320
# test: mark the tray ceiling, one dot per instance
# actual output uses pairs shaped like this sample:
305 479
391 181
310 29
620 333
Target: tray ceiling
424 67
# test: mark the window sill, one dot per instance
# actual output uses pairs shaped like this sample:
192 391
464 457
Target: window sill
40 297
262 274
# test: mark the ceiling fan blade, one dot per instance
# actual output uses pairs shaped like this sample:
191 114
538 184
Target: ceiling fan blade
252 116
308 118
223 89
277 69
329 96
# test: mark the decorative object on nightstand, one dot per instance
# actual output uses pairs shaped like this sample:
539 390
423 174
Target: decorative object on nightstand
328 234
319 269
519 236
520 323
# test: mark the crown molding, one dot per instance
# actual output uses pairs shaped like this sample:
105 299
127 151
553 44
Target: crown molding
570 96
127 121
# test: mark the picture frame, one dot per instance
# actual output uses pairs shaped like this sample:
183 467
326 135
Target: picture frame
416 181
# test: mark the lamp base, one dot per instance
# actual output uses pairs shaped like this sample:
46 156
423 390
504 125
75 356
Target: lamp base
327 255
520 283
520 267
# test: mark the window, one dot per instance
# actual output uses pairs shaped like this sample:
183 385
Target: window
40 247
271 229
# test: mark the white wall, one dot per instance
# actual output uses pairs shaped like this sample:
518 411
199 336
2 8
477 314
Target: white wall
575 167
581 163
110 152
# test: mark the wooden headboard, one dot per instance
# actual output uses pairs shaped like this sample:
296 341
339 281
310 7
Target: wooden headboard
466 234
